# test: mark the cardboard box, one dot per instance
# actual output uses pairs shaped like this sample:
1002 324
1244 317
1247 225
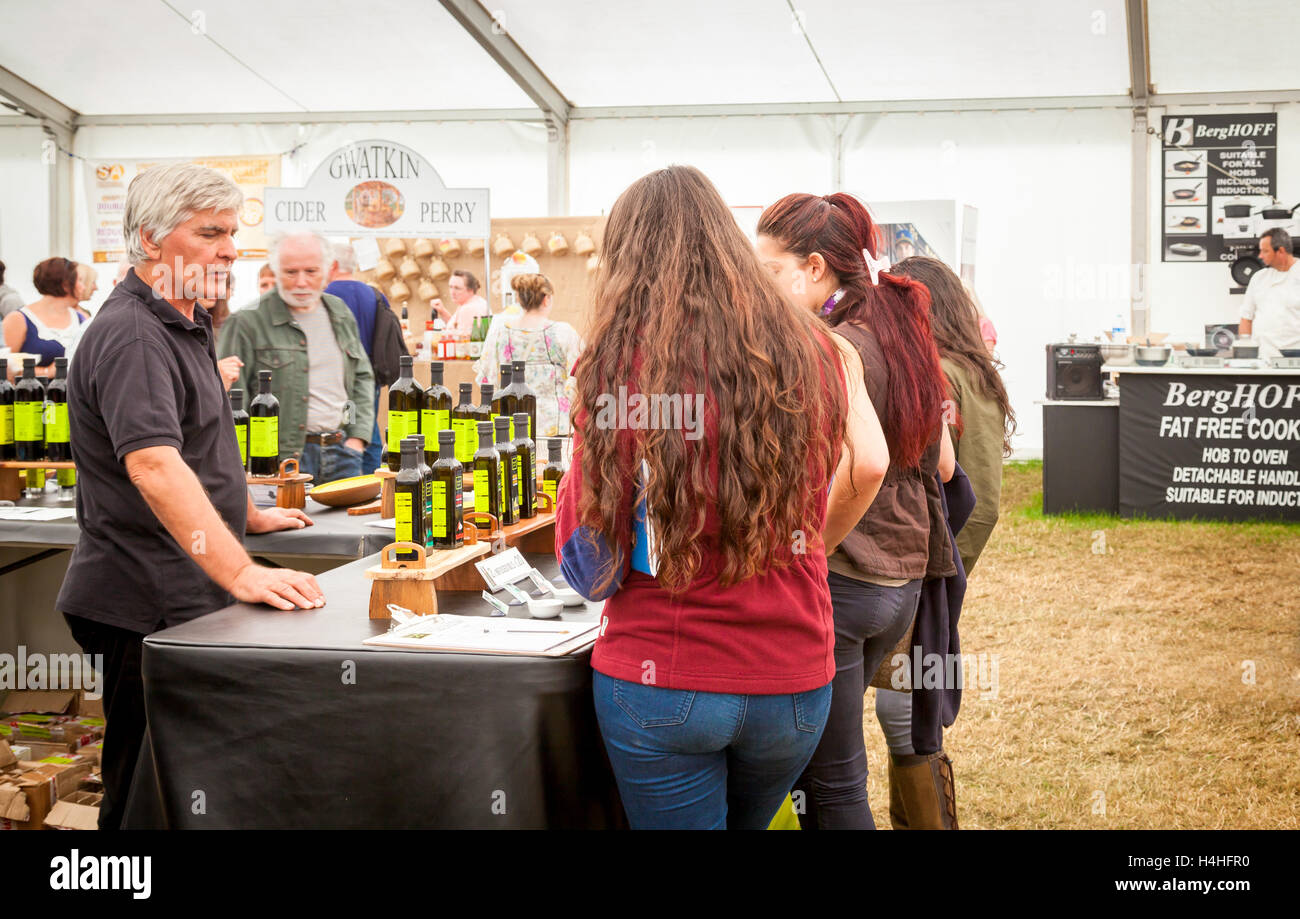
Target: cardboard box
92 782
91 707
46 701
39 785
7 756
78 811
40 749
93 752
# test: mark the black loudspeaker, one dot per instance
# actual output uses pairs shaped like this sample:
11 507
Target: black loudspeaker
1074 372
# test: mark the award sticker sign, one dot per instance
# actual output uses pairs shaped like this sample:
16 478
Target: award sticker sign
378 188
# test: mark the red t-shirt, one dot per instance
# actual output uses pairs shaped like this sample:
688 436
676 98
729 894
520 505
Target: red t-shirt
772 634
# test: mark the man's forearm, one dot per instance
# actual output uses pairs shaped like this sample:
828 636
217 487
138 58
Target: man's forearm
1245 327
174 494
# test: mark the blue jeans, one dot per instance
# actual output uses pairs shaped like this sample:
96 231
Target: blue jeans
328 464
373 456
686 759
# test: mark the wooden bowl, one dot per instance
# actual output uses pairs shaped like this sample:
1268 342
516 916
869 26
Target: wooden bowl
347 492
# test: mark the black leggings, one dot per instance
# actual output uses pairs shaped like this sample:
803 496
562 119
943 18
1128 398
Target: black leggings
869 621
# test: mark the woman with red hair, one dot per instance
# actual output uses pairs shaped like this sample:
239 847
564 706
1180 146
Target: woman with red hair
824 254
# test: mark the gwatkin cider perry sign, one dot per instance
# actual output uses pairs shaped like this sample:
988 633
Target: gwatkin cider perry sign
378 188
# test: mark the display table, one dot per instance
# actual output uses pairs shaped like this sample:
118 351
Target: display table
288 720
34 559
1209 443
1080 456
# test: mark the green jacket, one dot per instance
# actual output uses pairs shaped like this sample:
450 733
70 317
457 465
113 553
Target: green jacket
266 337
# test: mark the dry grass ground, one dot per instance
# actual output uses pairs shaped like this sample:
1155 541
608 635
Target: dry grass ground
1155 685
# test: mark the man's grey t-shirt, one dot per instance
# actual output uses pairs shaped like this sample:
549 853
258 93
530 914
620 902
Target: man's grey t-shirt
326 391
10 300
146 376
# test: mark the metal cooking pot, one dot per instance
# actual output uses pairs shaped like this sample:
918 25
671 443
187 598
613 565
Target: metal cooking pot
1244 349
1236 210
1153 355
1116 353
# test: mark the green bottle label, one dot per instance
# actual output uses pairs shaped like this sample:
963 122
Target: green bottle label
550 486
403 514
67 478
265 436
428 513
28 425
440 510
56 421
482 499
6 424
401 424
433 420
519 482
241 435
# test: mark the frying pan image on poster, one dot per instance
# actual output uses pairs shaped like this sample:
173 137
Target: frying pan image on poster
1184 194
1184 164
1185 223
1185 252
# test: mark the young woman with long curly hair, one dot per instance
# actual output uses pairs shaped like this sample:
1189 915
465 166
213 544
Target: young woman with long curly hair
714 663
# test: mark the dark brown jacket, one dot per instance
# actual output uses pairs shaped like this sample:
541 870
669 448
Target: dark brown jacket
903 534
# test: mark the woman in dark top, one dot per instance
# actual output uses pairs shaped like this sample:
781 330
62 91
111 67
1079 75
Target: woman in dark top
821 250
50 327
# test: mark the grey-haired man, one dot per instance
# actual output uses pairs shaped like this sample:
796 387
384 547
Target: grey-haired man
161 498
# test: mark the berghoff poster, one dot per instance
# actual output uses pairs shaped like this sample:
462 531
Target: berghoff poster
1218 172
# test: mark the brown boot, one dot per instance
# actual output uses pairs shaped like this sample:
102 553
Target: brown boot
921 793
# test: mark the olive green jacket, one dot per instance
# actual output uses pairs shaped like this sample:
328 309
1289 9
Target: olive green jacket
265 336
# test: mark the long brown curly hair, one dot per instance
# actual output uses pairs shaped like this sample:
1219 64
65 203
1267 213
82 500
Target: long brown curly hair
682 306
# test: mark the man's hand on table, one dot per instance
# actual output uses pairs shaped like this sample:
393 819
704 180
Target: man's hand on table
271 519
283 588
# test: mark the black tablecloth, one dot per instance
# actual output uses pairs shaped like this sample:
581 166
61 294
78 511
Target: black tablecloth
333 534
260 718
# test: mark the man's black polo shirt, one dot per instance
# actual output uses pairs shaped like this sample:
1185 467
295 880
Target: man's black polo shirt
142 376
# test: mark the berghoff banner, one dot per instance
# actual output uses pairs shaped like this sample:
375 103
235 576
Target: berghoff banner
107 181
1215 447
378 188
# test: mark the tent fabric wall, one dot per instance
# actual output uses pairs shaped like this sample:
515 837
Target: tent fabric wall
24 204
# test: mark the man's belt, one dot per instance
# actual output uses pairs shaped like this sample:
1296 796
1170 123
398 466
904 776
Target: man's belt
327 440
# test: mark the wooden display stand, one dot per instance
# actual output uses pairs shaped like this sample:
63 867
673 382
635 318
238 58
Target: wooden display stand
290 486
13 475
412 584
536 534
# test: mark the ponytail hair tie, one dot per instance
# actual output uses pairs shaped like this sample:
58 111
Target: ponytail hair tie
875 265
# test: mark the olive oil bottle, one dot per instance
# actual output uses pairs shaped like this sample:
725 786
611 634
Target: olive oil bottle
483 411
487 473
554 470
462 423
527 468
58 440
435 417
264 429
29 411
405 401
509 472
240 417
408 499
525 399
503 404
7 448
426 479
448 497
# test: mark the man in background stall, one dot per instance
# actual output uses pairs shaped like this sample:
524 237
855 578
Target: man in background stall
309 341
1270 312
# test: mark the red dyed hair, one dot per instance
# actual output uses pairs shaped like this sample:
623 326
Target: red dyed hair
897 310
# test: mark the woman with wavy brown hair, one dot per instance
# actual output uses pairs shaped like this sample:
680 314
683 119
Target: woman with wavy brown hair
711 415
